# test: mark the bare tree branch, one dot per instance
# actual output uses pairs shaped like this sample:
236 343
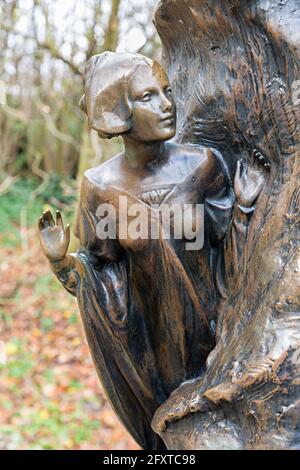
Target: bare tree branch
112 32
57 55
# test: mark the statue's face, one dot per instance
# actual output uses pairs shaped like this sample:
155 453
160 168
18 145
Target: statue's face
153 107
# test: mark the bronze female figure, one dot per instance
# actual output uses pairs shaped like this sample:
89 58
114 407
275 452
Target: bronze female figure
149 306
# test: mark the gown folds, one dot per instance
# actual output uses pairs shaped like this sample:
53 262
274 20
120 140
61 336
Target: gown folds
148 306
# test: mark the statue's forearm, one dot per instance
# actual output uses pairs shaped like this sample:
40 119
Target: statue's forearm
64 270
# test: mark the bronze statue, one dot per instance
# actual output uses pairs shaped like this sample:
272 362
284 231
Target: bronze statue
195 349
149 306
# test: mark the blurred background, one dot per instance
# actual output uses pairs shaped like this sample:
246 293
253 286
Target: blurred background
50 397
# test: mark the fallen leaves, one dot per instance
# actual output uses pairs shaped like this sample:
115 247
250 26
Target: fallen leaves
50 396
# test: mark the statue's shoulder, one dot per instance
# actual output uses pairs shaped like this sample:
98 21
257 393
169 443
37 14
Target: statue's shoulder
204 158
104 174
97 184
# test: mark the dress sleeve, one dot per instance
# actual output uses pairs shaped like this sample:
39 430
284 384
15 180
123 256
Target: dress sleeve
67 272
219 203
92 195
228 222
92 247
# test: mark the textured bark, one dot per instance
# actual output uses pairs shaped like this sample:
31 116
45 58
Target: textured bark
233 66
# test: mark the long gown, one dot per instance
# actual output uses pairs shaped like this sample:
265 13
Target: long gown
149 308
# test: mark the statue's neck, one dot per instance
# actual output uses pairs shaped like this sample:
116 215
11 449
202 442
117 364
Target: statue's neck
139 154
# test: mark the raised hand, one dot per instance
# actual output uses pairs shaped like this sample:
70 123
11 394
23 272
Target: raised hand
250 179
54 238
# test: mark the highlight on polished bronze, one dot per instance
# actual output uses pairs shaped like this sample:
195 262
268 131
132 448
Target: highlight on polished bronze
187 276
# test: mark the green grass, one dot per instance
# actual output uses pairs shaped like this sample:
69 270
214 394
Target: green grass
19 196
11 205
50 429
41 425
20 363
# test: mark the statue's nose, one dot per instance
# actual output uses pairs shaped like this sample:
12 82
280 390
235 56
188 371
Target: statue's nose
166 103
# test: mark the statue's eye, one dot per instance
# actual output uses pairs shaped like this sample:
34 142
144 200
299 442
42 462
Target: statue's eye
168 91
146 96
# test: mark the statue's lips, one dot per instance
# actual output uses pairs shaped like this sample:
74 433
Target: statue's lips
168 121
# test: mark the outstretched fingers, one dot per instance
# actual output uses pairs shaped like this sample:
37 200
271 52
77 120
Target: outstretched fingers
67 232
259 162
59 219
41 224
46 220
